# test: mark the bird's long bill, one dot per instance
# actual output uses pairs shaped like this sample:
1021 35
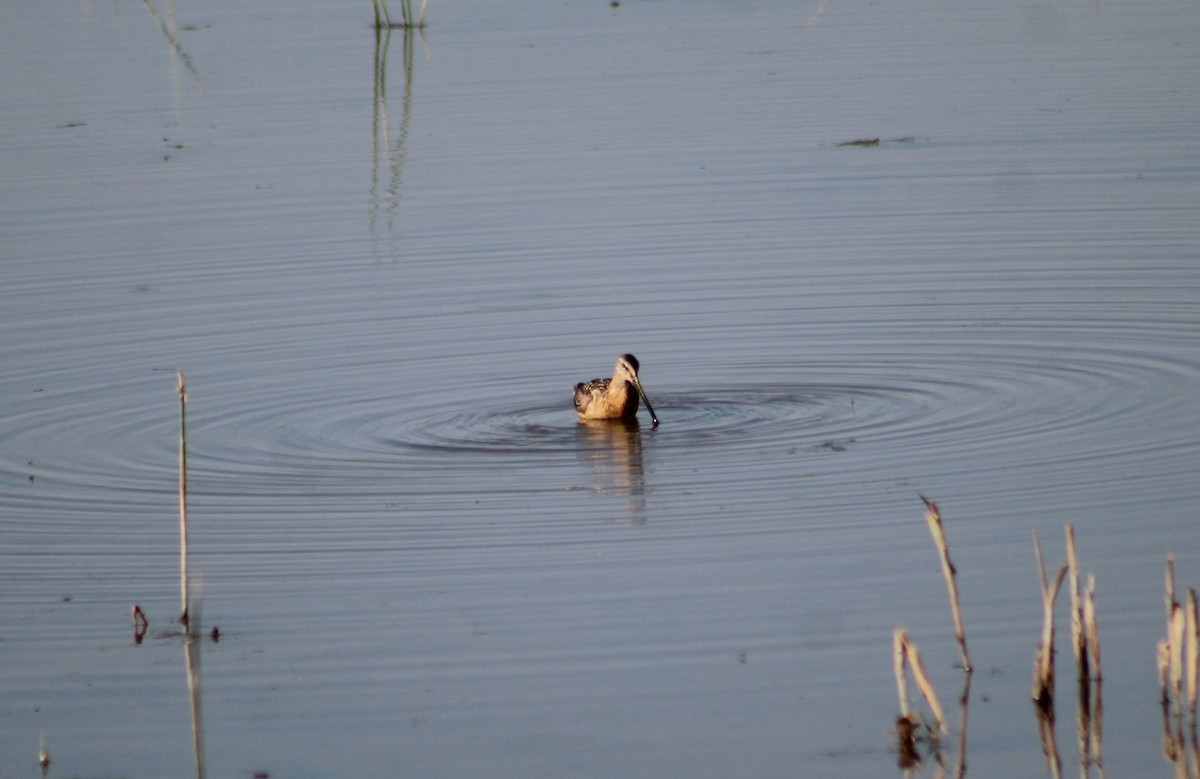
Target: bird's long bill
637 385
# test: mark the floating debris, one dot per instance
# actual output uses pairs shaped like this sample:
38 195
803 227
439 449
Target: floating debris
872 142
140 624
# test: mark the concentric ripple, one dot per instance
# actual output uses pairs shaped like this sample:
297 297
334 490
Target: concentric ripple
1011 405
1020 403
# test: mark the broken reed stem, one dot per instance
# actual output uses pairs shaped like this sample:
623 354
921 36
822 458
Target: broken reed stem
906 725
899 639
1043 678
1192 660
1093 640
1163 660
183 533
1093 632
1078 639
906 655
913 655
1169 601
933 518
1085 642
1175 641
1179 652
1044 690
1079 645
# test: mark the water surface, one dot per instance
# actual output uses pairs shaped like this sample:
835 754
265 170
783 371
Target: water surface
382 293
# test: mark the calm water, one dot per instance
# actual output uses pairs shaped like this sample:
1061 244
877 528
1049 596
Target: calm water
383 266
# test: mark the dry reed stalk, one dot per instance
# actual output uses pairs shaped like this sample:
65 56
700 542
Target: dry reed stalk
1175 647
1078 639
1169 601
1163 660
934 519
1043 677
906 724
183 533
1082 604
1192 658
913 655
899 640
1169 743
1093 639
906 655
1092 632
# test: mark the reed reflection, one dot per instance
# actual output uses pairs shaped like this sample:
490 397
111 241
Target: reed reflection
387 151
192 640
191 656
170 30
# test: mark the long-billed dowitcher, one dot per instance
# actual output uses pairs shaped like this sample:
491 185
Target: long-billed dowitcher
613 398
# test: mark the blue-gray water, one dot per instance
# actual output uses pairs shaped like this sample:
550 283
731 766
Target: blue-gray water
382 293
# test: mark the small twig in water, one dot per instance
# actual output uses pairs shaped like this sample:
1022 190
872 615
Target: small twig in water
140 624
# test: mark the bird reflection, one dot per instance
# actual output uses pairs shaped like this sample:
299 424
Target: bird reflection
613 450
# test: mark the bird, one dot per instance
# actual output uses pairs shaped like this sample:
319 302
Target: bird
615 398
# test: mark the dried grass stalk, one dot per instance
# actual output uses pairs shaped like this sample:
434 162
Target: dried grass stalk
899 640
906 655
1092 632
1163 660
1093 639
1043 676
1078 638
1175 646
934 519
183 531
913 655
1192 656
1169 601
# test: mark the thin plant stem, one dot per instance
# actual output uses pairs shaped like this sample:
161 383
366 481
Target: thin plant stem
1043 676
1078 638
899 640
408 20
934 518
1192 659
913 655
183 530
